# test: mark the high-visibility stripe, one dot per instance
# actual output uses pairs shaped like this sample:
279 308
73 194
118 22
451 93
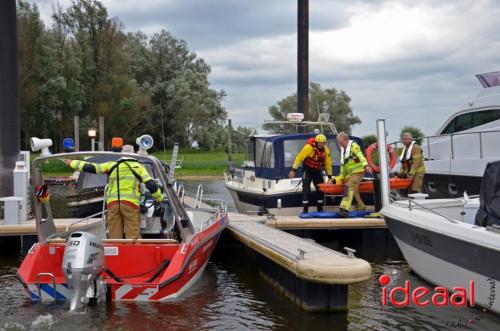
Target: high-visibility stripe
406 151
98 168
122 195
345 154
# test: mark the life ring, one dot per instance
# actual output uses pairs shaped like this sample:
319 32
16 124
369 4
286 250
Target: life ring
392 156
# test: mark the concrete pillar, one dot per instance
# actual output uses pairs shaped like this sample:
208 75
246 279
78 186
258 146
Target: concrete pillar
10 143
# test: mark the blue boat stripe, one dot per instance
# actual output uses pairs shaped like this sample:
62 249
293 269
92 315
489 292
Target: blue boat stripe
47 288
34 296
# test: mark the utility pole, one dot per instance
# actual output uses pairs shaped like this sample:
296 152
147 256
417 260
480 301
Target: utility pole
303 58
10 129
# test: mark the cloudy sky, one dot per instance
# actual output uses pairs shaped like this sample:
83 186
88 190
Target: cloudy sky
410 62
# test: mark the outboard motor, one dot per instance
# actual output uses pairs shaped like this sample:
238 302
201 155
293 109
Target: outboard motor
82 262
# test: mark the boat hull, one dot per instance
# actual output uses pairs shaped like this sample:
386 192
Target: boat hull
133 267
282 203
449 261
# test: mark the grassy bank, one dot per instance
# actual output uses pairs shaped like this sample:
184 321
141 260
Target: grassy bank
193 163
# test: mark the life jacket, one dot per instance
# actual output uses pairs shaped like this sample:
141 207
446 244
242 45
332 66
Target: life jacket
317 160
345 155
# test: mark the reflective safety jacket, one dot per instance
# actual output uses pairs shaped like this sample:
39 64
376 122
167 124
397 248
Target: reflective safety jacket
314 159
124 178
412 160
352 160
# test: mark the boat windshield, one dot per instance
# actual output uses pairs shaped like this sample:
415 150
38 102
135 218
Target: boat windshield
490 79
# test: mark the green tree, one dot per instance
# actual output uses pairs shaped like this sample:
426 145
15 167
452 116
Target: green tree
369 139
30 31
85 65
414 131
329 100
177 82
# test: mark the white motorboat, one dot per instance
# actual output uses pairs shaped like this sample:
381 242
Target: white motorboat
443 240
457 155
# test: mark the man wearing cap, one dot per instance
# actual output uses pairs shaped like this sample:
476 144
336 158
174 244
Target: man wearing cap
315 156
122 194
353 165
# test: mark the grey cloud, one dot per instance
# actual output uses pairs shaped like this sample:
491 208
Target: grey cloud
205 24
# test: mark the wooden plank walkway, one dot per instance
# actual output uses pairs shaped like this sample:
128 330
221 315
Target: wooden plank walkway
307 260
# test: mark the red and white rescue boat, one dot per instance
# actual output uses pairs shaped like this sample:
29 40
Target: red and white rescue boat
83 265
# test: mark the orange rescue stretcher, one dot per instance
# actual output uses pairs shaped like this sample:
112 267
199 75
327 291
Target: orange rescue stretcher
365 187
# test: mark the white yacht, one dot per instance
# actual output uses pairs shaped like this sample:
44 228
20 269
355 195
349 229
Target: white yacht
452 242
457 155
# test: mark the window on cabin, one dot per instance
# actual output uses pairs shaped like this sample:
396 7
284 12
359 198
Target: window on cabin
463 122
264 154
250 151
450 128
291 149
484 117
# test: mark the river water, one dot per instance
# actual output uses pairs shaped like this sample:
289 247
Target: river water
232 296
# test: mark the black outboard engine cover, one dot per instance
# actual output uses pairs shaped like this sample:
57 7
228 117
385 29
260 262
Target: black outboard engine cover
489 209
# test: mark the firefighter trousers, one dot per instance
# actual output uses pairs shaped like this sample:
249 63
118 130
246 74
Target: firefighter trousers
351 192
316 176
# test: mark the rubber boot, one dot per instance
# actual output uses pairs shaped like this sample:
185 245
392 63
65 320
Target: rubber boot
319 207
306 208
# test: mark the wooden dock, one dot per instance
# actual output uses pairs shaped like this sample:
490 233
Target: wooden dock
28 228
312 276
295 222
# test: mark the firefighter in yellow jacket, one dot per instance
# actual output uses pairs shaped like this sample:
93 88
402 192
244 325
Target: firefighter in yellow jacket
122 195
412 163
315 157
352 167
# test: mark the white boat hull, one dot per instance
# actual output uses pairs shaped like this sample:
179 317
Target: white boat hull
449 275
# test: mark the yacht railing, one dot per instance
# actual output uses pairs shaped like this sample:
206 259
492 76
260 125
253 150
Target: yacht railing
413 202
460 145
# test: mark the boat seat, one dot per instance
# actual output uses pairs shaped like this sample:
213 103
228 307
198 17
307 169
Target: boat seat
123 241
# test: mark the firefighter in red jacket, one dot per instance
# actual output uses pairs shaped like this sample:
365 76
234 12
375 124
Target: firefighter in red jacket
315 157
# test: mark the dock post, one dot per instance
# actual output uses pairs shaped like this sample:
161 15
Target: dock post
101 133
384 165
77 133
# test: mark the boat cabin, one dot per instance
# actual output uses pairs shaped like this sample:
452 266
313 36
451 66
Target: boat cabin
272 156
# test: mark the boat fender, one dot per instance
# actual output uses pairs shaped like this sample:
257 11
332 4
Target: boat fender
369 156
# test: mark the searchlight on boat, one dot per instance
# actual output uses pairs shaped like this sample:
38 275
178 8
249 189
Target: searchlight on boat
41 144
144 142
